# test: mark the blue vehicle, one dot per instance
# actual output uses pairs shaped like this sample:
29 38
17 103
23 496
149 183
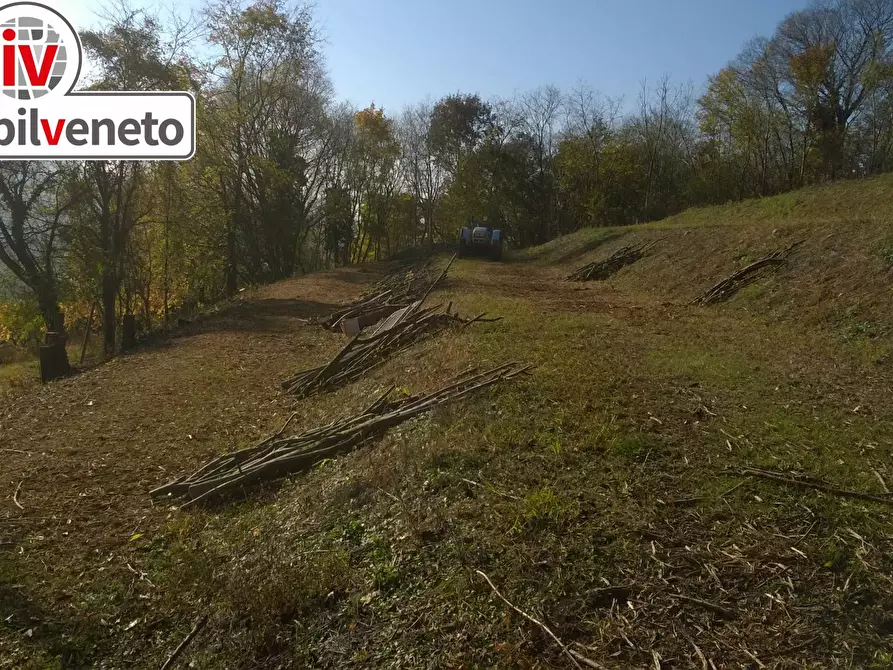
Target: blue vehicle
480 242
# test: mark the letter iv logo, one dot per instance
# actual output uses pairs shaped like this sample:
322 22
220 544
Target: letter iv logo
43 117
41 52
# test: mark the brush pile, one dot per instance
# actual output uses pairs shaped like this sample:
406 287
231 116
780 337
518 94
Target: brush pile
398 290
745 276
604 269
404 328
277 456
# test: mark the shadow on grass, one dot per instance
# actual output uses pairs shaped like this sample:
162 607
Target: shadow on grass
38 628
553 256
269 315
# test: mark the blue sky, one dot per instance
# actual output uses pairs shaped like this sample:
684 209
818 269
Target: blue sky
395 52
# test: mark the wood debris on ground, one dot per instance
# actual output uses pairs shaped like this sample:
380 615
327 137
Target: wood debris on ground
278 456
604 269
746 276
365 352
400 289
403 328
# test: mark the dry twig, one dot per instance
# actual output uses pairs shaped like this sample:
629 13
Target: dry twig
807 482
881 480
196 629
588 662
718 609
15 495
548 630
401 329
604 269
399 290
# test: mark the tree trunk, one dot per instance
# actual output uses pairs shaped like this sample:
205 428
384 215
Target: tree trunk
231 272
167 225
128 332
87 333
109 317
49 308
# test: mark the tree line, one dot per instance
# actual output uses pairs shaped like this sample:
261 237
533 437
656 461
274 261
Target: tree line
287 179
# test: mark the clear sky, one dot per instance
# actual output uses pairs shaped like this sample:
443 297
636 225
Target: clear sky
395 52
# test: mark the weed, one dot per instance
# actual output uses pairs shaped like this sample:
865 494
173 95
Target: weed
385 575
887 254
544 508
633 446
838 558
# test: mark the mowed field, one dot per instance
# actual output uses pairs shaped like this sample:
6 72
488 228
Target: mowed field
617 495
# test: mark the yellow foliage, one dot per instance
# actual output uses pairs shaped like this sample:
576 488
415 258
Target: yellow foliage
811 68
5 332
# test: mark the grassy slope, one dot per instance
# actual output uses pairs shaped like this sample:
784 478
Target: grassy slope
841 277
592 494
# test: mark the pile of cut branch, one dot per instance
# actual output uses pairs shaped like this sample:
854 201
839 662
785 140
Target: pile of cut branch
403 329
604 269
746 276
277 456
396 291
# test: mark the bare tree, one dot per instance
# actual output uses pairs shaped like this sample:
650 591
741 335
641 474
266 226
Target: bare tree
541 113
423 174
33 205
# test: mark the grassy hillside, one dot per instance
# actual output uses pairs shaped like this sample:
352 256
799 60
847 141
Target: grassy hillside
841 277
618 495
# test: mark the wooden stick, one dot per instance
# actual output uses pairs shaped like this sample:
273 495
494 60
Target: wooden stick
530 618
169 663
15 495
278 457
437 281
718 609
784 478
588 662
881 480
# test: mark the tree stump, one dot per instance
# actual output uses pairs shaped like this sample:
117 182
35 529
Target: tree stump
53 358
128 332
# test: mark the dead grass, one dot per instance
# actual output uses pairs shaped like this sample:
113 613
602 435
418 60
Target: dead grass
592 494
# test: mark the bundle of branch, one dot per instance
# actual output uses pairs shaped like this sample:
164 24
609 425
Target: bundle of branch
746 276
396 291
277 456
403 329
604 269
404 279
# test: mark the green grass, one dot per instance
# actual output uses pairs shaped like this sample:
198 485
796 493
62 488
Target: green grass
592 493
18 375
569 468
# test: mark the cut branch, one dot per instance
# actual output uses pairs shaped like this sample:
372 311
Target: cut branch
278 456
746 276
604 269
524 614
807 482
